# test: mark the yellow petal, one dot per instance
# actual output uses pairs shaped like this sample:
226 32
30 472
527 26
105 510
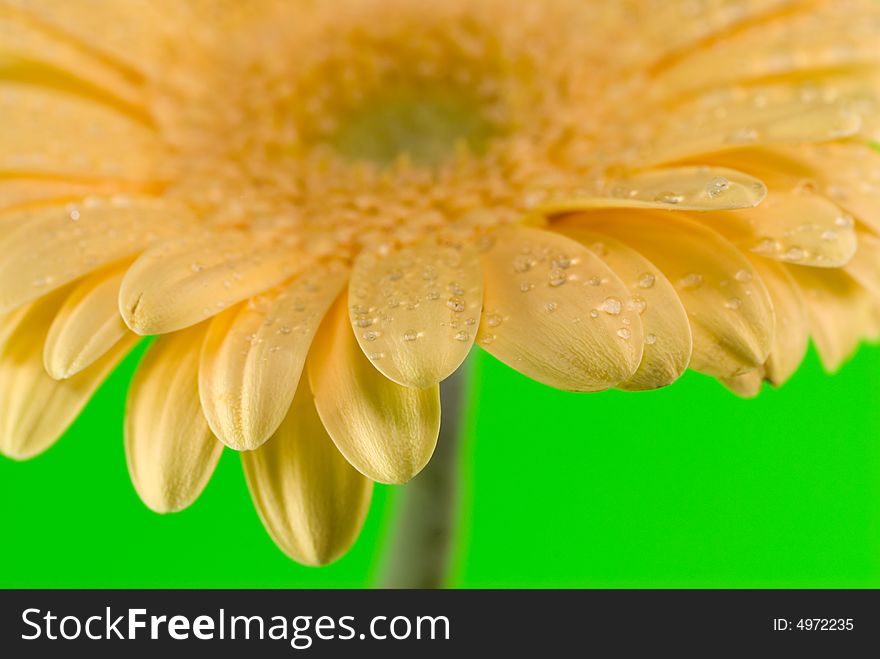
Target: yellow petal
865 265
805 229
29 52
170 450
187 280
792 328
729 307
86 326
35 409
701 128
49 132
418 308
840 311
556 313
747 385
310 499
667 330
253 357
673 188
25 191
49 246
823 38
385 430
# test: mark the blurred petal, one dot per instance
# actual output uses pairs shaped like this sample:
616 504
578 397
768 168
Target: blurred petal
747 385
385 430
253 357
729 307
48 132
805 229
673 188
86 326
865 265
35 410
556 313
310 499
50 246
792 327
419 307
184 281
667 330
170 450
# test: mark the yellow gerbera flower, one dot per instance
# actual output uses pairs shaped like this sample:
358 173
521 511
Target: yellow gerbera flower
321 207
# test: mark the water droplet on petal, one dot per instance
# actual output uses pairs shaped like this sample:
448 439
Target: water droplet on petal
410 335
669 198
647 280
624 333
651 339
456 304
717 186
557 277
462 335
734 303
743 276
692 280
612 306
493 320
372 335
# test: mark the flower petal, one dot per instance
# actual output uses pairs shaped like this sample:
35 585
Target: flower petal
728 305
49 246
556 313
253 357
311 500
25 191
667 330
86 326
184 281
48 132
35 410
805 229
840 311
418 308
170 450
673 188
792 328
865 265
385 430
747 385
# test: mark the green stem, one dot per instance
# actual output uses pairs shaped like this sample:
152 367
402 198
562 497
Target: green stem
423 534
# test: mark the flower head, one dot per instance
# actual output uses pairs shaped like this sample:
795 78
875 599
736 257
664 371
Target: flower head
320 208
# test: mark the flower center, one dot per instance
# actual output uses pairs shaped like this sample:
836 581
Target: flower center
424 123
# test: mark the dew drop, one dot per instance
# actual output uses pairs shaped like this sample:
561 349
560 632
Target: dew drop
647 280
624 333
410 335
829 235
526 286
595 281
74 214
376 356
196 267
651 339
692 280
743 136
456 304
844 222
557 277
717 186
285 329
372 335
594 313
734 303
743 276
669 198
611 306
550 307
462 335
795 254
493 320
522 263
363 322
638 304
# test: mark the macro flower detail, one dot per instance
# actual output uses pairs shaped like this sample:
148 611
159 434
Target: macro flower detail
319 209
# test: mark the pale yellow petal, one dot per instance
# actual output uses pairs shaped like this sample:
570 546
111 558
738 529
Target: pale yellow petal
865 265
49 246
667 330
801 228
747 385
254 354
840 311
15 192
31 52
556 313
310 499
824 38
49 132
415 310
170 449
720 123
673 188
184 281
385 430
792 326
728 305
86 326
35 409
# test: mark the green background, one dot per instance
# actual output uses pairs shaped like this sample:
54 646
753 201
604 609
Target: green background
684 487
